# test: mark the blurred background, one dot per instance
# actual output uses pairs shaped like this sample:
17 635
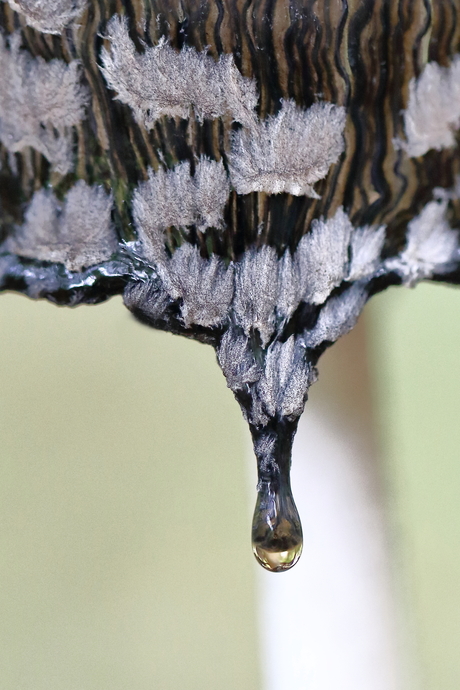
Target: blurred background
127 487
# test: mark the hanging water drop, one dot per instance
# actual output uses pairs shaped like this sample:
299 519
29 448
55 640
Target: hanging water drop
276 528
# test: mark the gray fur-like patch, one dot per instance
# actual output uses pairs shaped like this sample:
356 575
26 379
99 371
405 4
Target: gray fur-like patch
49 16
321 262
431 245
77 232
175 198
322 257
162 81
260 291
264 448
39 103
289 285
433 111
256 291
151 295
366 248
338 316
211 192
283 386
287 152
204 285
452 194
237 361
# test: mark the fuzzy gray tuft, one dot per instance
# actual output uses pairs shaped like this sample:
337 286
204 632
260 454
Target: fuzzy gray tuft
289 285
39 103
431 245
283 386
264 448
151 295
49 16
256 291
288 152
205 286
366 248
321 262
175 198
338 316
211 191
77 232
237 361
433 111
322 257
162 81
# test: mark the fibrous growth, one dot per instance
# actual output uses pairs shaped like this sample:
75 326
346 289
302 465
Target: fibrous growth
49 16
175 198
39 103
163 81
76 232
433 111
243 178
287 152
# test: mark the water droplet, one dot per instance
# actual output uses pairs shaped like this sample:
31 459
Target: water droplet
276 528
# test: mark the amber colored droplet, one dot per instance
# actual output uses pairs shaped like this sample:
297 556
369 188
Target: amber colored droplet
276 529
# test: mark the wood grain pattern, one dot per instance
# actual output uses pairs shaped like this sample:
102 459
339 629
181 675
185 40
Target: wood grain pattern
360 54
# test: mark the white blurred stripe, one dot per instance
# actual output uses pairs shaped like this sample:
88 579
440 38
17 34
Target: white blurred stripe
330 623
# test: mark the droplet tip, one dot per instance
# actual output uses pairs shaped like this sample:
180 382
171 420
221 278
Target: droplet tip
277 561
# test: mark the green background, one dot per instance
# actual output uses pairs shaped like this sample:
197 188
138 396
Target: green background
125 507
415 347
125 558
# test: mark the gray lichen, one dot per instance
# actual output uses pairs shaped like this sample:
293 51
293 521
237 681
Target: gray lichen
49 16
287 152
163 81
322 257
431 246
175 198
205 286
76 233
39 103
433 111
256 291
338 316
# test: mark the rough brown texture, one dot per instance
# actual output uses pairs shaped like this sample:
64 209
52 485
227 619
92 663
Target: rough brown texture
361 55
357 213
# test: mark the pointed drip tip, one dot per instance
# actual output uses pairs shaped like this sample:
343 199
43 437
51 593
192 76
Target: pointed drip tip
276 528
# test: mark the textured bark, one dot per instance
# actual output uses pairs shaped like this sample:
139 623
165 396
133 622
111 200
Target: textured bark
360 54
349 65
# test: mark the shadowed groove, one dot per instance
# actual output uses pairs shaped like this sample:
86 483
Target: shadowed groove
451 48
265 41
382 137
217 27
314 65
309 51
418 46
247 28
